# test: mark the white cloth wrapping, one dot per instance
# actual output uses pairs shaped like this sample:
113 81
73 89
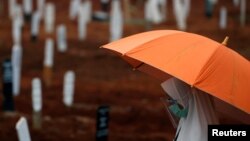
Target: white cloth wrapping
200 110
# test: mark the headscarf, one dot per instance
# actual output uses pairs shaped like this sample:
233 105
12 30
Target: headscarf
201 112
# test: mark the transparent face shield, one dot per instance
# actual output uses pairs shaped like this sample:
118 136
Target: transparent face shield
174 110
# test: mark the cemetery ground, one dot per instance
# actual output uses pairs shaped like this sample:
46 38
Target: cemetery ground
103 79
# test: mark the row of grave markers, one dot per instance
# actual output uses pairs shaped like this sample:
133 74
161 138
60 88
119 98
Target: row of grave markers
102 122
9 84
68 92
223 14
77 8
155 12
116 31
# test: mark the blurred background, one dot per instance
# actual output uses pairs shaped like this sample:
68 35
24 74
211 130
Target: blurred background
102 78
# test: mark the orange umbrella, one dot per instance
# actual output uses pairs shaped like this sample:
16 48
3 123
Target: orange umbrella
199 61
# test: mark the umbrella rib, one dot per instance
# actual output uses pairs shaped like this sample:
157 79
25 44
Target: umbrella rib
200 76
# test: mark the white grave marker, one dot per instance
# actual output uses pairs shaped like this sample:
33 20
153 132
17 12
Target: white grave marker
236 2
48 61
102 123
74 8
163 6
16 59
61 38
18 14
16 30
181 11
36 102
243 12
23 130
68 89
223 18
27 9
49 17
152 11
12 5
36 95
82 21
17 24
7 83
49 53
88 13
35 25
116 21
40 7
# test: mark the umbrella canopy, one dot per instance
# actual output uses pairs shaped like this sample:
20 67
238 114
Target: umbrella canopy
197 60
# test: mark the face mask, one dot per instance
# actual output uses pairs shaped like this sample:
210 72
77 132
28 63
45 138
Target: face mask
177 111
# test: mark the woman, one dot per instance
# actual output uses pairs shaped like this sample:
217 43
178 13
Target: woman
197 112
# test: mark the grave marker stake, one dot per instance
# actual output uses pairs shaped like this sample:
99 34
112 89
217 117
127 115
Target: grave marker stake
23 130
35 26
82 21
223 18
49 18
37 103
116 21
68 89
16 58
40 8
48 62
102 123
8 102
61 38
